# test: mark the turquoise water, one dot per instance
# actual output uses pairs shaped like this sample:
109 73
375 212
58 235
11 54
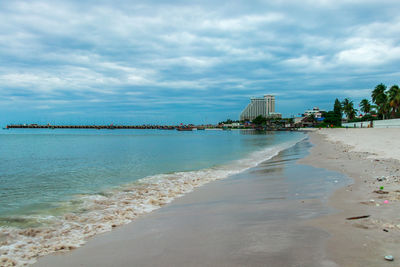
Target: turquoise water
42 167
58 187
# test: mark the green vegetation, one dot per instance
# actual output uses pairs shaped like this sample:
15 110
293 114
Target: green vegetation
228 121
337 108
332 118
348 109
394 100
365 106
260 120
367 117
385 104
379 97
272 122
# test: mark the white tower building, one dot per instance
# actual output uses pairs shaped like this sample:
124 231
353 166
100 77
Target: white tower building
264 106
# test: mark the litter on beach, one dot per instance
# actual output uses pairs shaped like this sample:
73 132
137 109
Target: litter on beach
358 217
380 191
381 179
389 258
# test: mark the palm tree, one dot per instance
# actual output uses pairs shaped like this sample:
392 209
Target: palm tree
348 108
365 106
378 94
394 99
380 98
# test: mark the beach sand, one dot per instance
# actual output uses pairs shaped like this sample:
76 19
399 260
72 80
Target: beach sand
277 214
367 156
381 143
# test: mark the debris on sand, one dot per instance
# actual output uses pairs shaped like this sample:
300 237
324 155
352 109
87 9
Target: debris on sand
389 258
358 217
380 191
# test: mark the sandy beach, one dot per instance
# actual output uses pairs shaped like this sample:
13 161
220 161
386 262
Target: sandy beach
281 213
370 157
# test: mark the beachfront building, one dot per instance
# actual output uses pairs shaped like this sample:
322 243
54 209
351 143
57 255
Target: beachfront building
264 106
315 111
275 115
231 125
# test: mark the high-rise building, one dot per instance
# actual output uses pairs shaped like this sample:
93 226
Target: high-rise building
264 106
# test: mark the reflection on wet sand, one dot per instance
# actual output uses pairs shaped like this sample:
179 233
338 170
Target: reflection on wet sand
255 218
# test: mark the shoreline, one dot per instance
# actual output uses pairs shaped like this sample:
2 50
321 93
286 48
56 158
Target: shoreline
362 242
190 221
255 218
111 209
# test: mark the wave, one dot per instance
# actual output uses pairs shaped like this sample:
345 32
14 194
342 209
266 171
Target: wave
94 214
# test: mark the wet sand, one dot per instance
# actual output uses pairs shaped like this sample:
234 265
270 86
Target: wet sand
257 218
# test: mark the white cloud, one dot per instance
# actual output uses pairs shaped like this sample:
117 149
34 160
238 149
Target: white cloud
241 23
308 63
368 52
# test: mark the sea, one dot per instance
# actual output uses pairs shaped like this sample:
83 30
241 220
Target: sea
59 187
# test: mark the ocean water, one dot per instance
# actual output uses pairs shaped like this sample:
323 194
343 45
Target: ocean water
59 187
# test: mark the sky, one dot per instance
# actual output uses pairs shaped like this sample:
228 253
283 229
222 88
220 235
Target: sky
169 62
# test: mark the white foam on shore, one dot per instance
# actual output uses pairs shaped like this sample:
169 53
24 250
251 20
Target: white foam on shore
100 213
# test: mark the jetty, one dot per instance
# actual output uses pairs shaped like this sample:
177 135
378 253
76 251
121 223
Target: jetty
111 126
181 127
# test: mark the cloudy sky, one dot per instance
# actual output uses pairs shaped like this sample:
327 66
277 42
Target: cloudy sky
189 61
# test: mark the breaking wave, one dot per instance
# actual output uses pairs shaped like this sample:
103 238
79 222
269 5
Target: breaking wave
94 214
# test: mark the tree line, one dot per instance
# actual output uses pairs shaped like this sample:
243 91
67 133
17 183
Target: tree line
387 102
384 104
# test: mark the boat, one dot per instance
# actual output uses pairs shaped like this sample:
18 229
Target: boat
200 128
